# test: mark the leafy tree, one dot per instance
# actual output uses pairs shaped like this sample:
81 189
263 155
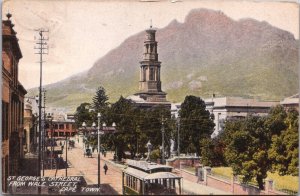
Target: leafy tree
275 120
82 114
247 149
213 151
100 100
123 114
196 124
285 147
151 125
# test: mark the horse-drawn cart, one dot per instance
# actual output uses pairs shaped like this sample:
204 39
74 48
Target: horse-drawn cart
88 153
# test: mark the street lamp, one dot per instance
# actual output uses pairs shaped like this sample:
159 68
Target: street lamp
84 133
99 121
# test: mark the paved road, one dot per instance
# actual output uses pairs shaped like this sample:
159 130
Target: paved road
88 167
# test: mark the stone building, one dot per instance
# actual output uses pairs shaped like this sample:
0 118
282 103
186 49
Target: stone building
12 104
230 108
150 93
61 125
291 102
30 124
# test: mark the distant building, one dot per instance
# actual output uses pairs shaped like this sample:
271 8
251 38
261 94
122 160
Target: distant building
12 104
230 108
61 125
30 124
175 107
150 93
291 102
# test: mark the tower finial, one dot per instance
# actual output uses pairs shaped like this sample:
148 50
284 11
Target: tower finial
8 15
150 23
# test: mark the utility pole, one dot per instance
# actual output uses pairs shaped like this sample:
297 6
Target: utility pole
66 154
42 48
43 132
99 127
178 138
163 140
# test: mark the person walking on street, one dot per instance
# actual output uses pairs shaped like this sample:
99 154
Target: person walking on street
105 168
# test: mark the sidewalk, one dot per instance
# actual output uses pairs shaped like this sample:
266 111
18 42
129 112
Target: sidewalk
191 188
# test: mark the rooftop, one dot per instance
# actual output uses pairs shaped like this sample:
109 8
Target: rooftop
146 166
239 101
291 100
146 176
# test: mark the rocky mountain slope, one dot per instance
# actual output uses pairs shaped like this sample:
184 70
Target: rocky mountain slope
208 53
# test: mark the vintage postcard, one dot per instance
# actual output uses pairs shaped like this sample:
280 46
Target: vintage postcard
150 97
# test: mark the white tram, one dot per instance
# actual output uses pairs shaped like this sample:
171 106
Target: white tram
144 178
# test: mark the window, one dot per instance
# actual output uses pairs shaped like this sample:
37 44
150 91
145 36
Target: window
4 121
151 75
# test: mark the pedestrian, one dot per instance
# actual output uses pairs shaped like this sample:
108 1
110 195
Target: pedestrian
105 168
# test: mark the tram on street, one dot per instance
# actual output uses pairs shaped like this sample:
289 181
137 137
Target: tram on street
147 178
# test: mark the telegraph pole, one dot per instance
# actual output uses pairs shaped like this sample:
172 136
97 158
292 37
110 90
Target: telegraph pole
178 138
42 48
163 140
44 132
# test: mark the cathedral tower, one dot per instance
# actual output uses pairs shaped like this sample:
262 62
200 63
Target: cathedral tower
150 83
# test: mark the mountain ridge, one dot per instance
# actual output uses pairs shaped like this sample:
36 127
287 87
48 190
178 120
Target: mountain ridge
207 53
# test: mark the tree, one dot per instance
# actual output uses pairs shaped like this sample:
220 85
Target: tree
82 114
213 151
124 115
151 126
248 142
100 100
275 120
285 147
196 124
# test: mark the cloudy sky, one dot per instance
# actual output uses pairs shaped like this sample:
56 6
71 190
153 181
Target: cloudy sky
83 31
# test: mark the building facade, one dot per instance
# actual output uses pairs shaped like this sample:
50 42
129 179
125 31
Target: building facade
30 124
60 125
12 104
150 93
230 108
291 102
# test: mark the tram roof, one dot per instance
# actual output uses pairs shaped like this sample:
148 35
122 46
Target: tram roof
146 166
152 176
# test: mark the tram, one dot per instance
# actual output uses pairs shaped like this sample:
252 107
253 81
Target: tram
144 178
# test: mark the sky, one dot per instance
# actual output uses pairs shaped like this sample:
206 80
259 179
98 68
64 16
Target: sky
81 32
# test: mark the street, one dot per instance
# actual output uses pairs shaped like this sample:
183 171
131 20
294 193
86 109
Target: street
79 165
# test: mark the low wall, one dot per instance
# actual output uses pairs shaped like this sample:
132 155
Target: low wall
219 183
184 161
242 189
238 189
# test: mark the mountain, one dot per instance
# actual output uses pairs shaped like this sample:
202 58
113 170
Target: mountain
207 53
